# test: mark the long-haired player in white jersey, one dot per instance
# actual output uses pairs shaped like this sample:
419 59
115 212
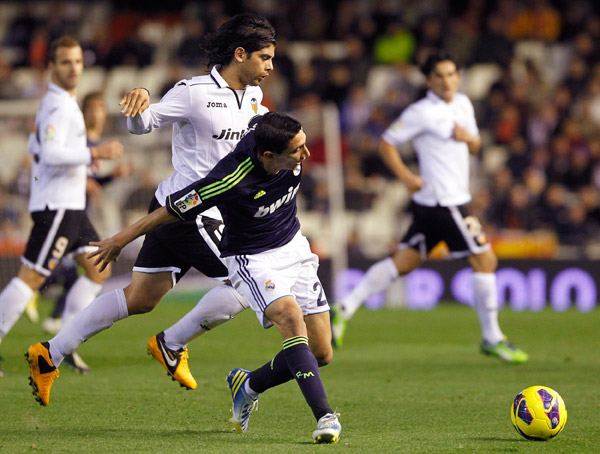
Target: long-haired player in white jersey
209 115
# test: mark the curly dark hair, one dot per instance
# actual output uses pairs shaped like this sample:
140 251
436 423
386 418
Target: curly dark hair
250 31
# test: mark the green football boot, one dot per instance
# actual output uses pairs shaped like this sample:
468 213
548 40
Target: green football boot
505 351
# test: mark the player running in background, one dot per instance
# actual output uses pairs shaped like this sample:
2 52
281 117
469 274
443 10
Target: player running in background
444 132
268 259
65 275
209 114
57 196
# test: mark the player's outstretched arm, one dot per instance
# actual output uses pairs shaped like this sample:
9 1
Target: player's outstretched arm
110 248
135 102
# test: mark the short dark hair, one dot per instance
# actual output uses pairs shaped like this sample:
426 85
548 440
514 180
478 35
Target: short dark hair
63 41
274 131
92 96
248 30
433 59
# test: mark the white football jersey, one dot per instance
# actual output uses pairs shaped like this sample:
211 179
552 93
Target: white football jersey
443 161
60 151
209 118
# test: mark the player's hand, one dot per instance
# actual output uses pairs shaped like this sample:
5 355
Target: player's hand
460 134
135 102
108 251
112 149
414 183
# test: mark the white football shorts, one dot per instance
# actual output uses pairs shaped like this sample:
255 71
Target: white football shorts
287 270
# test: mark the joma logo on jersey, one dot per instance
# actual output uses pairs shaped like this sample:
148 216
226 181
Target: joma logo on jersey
263 210
228 134
216 104
188 201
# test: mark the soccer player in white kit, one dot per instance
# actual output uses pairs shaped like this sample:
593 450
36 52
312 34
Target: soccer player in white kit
209 114
57 198
444 132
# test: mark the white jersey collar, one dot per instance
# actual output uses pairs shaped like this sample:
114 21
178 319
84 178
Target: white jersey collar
435 98
214 73
57 89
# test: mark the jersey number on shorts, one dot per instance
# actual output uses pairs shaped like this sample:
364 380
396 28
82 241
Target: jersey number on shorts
60 246
317 287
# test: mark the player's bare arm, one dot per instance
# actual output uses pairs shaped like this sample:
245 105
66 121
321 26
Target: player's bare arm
135 102
110 248
462 135
395 163
112 150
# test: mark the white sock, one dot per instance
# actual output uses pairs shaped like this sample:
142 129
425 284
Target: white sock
13 300
249 390
220 304
486 305
101 314
377 278
79 297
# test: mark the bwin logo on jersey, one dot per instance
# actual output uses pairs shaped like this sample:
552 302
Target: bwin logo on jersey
188 201
228 134
263 210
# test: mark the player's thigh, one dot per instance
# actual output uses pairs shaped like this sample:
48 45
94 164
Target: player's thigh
318 327
146 290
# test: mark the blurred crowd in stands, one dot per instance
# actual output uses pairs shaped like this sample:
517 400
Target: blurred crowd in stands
531 68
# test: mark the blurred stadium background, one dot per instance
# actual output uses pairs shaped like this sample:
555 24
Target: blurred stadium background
347 69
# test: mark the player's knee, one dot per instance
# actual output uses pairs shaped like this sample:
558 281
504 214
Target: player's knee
139 303
324 356
486 262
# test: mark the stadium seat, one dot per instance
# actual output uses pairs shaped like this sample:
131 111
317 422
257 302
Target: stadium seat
118 81
92 79
153 78
478 79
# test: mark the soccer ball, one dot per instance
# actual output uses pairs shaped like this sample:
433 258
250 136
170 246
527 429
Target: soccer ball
538 413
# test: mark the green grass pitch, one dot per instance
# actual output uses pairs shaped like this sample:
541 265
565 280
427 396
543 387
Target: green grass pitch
405 381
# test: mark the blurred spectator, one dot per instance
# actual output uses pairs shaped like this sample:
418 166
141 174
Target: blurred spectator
189 52
397 45
429 37
133 51
537 19
518 159
8 87
20 32
591 201
518 214
493 45
175 74
355 110
552 214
